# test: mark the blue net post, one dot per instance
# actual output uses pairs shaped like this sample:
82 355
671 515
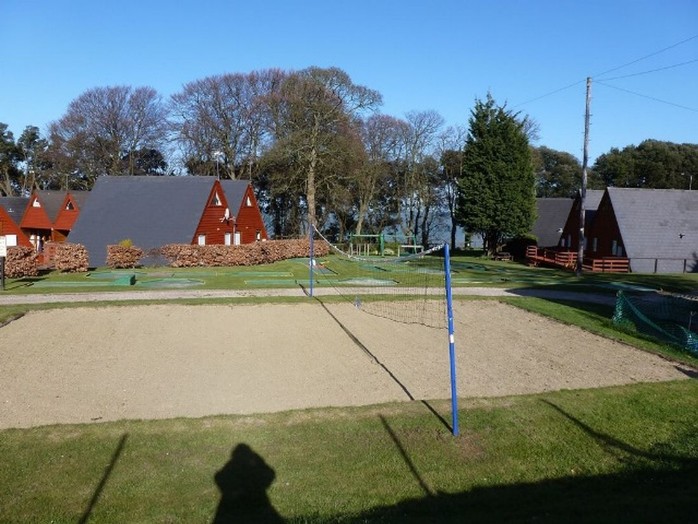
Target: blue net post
311 258
451 341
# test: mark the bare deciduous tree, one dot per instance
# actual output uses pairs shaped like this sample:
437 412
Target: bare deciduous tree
220 122
103 126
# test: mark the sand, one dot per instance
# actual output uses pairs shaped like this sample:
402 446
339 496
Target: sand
82 365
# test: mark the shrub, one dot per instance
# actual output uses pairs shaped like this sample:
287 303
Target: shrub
71 258
123 256
187 255
126 242
21 262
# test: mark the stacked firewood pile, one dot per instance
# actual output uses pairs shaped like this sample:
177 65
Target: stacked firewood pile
21 262
120 256
186 255
71 258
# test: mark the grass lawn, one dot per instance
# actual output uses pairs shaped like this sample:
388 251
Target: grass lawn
617 454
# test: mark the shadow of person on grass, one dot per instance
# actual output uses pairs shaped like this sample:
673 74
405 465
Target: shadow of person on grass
243 483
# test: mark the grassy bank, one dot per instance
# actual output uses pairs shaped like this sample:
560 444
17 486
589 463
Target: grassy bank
617 454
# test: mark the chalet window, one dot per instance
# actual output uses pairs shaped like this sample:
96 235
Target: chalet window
202 240
594 244
248 202
216 201
569 240
36 203
258 236
69 206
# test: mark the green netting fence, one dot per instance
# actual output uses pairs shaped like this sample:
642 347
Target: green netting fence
669 318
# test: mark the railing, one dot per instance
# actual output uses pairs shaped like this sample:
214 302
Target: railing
607 265
536 256
568 260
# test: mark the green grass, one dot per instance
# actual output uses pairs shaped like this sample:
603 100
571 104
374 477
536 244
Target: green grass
609 455
467 271
596 318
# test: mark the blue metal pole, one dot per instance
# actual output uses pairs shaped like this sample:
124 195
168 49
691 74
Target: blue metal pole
451 341
312 256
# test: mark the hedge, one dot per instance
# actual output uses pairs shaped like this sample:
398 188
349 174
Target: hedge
21 262
266 252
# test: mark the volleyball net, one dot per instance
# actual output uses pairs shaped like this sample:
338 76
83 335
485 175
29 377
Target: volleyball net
410 289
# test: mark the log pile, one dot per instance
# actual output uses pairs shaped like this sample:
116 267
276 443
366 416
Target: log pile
121 257
186 255
71 258
21 262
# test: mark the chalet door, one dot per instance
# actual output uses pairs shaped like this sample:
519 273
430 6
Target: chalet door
228 239
238 239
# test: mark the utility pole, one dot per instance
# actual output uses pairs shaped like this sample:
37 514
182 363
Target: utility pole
585 163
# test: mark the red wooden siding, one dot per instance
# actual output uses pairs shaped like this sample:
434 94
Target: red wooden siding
569 238
10 227
213 224
35 217
604 234
67 215
249 220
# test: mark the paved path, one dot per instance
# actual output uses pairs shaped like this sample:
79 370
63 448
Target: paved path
171 294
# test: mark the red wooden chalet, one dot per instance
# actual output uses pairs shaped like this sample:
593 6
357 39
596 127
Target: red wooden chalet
153 211
11 211
50 215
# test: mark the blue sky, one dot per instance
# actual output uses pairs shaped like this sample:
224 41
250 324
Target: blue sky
420 55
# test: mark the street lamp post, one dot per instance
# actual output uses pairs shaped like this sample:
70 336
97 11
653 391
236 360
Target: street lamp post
217 155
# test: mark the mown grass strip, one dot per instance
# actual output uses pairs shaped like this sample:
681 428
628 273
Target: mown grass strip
616 454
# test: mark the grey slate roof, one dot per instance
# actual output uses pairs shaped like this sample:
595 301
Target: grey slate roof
591 204
14 206
657 223
80 197
552 216
234 193
152 211
51 201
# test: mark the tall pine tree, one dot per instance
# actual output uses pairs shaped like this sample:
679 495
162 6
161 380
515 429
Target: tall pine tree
496 192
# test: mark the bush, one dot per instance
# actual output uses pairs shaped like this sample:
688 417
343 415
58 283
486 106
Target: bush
187 255
71 258
123 256
21 262
126 242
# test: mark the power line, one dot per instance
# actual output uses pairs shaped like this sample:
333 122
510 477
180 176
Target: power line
648 97
648 56
650 71
621 67
549 94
